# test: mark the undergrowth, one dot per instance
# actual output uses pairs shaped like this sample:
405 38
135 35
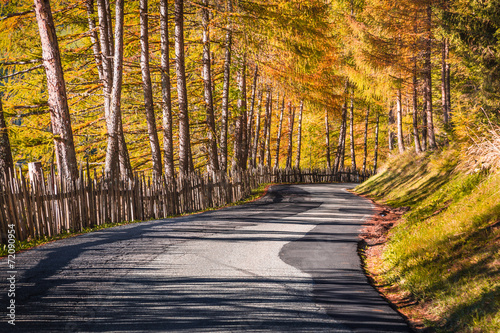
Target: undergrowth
446 250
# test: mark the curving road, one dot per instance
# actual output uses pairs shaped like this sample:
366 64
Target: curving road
287 262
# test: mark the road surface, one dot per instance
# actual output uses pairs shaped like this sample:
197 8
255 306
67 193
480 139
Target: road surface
286 263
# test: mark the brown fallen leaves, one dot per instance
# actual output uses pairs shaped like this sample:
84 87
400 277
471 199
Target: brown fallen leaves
374 236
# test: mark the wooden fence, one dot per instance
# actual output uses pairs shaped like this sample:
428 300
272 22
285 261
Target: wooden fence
42 207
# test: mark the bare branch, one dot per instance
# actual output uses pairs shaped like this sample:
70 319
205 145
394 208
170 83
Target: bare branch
21 72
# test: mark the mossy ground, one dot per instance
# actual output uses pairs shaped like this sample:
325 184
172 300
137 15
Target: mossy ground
445 252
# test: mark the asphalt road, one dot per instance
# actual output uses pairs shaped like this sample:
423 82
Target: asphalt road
287 262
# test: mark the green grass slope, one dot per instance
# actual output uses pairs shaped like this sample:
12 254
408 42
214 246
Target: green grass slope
446 250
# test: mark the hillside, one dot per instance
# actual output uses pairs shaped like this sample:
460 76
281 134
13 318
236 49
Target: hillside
443 256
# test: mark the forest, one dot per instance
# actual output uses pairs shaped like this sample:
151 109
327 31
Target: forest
170 87
153 92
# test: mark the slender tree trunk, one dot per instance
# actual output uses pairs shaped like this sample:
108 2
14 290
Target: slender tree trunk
268 141
267 136
113 152
257 130
344 136
148 92
351 134
94 38
428 81
109 26
399 113
416 137
168 144
123 156
251 116
213 159
278 137
375 155
365 143
291 121
184 136
339 156
262 153
241 118
299 136
424 127
445 83
6 162
327 136
107 53
58 103
225 91
391 125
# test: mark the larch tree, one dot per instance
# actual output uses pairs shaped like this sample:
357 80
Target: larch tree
184 135
116 151
351 134
327 141
148 91
240 140
56 88
427 75
213 159
291 120
365 140
225 90
278 136
168 144
299 136
251 113
6 162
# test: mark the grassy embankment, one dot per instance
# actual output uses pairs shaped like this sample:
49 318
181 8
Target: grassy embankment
445 252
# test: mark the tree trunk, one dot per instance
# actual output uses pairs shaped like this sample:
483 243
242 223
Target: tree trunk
58 103
241 117
213 159
428 81
116 152
391 125
184 137
225 91
375 154
6 162
108 79
327 135
339 156
278 137
262 153
94 38
291 121
351 134
148 92
399 113
257 130
251 116
105 40
445 83
267 127
418 148
268 136
365 143
168 144
299 137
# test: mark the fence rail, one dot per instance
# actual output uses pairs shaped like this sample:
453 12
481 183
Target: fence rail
40 207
